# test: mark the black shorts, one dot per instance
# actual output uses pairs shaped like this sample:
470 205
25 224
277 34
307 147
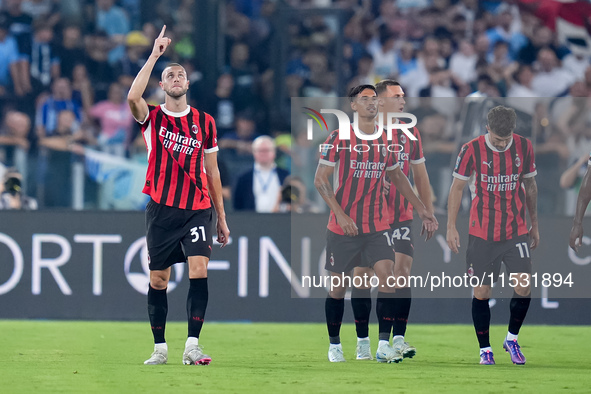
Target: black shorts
343 253
401 237
484 257
173 234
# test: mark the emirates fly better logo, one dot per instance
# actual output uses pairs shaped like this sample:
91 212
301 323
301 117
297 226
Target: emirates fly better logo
345 129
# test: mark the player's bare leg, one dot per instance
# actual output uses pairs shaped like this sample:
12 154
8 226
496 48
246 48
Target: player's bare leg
402 268
384 270
334 308
361 304
196 306
481 319
157 311
519 306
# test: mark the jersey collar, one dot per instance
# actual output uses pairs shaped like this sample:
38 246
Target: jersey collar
176 114
487 139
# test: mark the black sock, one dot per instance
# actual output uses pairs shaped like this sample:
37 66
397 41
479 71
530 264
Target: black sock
402 309
157 311
385 311
334 309
361 303
196 305
519 306
481 318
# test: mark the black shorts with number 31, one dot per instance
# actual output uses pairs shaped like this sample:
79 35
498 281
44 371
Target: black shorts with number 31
174 234
484 257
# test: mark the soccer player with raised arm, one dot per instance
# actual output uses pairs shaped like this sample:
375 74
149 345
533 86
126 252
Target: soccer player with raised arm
576 233
182 181
409 154
359 216
503 167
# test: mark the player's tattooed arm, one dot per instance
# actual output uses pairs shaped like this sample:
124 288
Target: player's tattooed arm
322 183
531 201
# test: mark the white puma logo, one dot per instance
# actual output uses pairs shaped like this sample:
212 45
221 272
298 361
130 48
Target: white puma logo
489 164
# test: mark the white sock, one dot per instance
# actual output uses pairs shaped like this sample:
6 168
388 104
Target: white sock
511 337
362 339
398 337
485 349
192 341
161 346
383 343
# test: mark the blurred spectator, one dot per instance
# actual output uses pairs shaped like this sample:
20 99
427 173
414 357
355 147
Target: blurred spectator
244 74
503 32
550 80
258 189
542 37
9 74
45 63
113 20
383 51
577 62
407 60
239 141
116 122
14 140
70 51
520 87
221 104
13 197
136 46
55 167
82 91
100 71
20 28
42 9
463 62
60 100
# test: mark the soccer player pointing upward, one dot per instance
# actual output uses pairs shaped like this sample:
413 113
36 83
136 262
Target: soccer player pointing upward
504 170
358 227
182 180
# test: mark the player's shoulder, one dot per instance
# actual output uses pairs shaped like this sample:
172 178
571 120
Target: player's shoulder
521 139
474 143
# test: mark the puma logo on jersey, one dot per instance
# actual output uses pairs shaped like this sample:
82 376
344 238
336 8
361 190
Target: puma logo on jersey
489 164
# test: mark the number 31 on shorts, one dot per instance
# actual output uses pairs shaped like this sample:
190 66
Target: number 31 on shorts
198 233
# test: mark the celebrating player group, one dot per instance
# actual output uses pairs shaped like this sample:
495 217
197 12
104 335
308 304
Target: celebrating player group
501 167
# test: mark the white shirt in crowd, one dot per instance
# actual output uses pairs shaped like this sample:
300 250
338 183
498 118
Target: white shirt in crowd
266 188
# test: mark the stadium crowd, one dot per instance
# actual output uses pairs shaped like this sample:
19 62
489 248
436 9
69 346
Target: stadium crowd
66 67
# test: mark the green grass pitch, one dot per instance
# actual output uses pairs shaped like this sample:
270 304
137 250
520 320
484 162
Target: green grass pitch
107 357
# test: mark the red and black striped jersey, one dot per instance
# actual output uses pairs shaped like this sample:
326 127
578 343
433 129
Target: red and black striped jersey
358 180
176 143
498 195
407 152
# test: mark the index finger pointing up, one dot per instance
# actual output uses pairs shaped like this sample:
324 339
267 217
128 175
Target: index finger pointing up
162 31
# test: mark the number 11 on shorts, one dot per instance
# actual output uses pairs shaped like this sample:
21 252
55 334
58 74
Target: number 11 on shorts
195 233
523 247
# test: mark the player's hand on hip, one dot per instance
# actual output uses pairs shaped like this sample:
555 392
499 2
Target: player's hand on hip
160 43
453 239
347 224
534 236
223 232
576 236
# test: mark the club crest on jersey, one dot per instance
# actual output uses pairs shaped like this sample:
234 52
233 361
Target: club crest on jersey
403 139
517 161
384 152
195 129
331 260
